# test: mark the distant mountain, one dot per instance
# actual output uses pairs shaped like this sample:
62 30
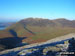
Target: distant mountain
38 29
31 26
38 22
65 22
46 22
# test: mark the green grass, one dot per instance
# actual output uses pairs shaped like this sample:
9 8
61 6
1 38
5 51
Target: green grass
45 33
49 33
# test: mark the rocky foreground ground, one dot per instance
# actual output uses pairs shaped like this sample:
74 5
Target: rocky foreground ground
68 36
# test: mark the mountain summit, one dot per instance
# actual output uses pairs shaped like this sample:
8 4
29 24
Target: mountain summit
46 22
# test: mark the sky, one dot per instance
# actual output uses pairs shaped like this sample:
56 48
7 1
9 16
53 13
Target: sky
14 10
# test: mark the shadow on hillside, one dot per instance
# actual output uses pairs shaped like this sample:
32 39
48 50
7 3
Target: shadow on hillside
29 30
13 32
12 42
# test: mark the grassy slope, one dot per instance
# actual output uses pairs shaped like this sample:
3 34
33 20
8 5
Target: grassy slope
5 34
49 33
19 29
41 33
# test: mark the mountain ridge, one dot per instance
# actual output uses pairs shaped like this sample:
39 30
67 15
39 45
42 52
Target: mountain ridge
38 30
39 21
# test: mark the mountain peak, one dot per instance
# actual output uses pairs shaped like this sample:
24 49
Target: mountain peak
62 19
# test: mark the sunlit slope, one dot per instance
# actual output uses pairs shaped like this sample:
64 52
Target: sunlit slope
5 34
20 30
38 30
